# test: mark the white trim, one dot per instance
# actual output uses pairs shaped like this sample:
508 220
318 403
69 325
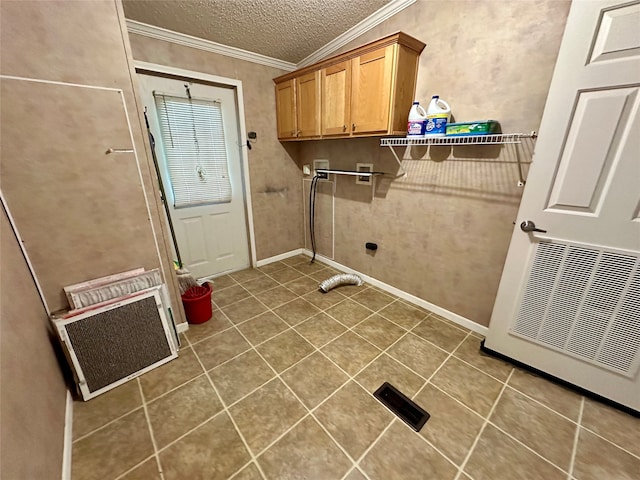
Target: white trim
53 82
282 256
68 438
182 327
376 18
178 38
454 317
244 156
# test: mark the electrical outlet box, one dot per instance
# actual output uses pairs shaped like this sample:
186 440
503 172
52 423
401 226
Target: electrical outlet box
306 169
364 179
320 164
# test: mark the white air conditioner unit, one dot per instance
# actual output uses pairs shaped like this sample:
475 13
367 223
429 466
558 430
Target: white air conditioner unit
107 345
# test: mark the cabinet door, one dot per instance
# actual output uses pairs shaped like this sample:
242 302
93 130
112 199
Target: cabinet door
336 99
308 104
286 110
371 96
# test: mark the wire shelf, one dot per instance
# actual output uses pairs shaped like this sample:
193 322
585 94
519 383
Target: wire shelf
495 139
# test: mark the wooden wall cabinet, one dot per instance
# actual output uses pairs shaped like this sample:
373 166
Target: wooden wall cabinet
367 91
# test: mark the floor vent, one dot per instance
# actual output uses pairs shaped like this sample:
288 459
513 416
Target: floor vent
403 407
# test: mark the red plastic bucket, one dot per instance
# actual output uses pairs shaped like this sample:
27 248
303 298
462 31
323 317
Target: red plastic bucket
197 303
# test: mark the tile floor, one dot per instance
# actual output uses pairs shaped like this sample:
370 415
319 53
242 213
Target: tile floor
277 385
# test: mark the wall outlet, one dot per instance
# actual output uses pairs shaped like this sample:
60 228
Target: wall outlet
364 179
320 164
306 169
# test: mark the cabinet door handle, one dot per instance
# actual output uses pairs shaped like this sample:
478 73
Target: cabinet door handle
344 128
299 132
353 127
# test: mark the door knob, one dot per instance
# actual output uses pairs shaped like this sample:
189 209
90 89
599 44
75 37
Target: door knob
353 127
529 226
344 128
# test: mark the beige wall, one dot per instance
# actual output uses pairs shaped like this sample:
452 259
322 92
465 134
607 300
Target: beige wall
33 393
443 230
274 175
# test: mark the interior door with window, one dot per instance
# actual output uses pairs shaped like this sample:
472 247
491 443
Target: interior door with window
569 298
195 127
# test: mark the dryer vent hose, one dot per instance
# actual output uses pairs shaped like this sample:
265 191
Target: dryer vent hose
340 279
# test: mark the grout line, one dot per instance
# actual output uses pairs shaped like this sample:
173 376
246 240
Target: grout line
610 442
124 474
101 427
511 387
153 438
484 425
574 451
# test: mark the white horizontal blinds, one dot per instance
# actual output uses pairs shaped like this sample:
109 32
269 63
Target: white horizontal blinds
193 139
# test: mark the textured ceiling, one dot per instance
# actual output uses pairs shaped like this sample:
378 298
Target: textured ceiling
285 29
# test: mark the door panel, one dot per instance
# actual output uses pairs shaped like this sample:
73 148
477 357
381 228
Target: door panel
336 99
308 91
568 299
286 109
212 238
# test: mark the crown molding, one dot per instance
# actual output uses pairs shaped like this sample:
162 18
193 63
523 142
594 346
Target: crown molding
159 33
376 18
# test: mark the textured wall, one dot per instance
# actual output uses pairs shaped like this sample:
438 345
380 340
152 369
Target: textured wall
274 176
32 398
444 229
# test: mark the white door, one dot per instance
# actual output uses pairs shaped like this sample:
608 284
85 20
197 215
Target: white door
211 233
569 298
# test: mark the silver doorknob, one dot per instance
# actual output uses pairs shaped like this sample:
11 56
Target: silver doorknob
529 226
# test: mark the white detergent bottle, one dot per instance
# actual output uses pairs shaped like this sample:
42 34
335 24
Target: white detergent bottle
438 114
417 120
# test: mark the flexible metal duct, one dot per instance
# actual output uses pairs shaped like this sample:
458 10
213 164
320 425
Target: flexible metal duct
340 279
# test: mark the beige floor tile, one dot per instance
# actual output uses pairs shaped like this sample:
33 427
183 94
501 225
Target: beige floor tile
354 418
351 352
373 299
127 442
379 331
229 295
350 290
296 311
302 285
473 388
276 296
272 267
296 260
355 475
597 459
147 471
323 274
87 416
250 472
557 397
246 275
324 300
320 329
284 350
213 450
539 428
386 369
216 324
162 379
614 425
180 410
452 427
439 333
260 284
314 379
404 315
401 453
349 313
244 310
496 456
286 275
224 281
239 376
470 352
304 452
418 355
262 327
220 348
308 268
266 414
455 325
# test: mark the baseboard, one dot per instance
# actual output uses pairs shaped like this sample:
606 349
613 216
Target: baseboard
454 317
68 438
282 256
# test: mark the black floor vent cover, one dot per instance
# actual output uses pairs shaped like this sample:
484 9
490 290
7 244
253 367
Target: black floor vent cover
403 407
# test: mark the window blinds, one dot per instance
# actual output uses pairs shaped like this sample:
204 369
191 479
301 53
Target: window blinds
195 149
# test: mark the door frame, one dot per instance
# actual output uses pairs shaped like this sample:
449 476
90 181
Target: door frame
154 68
